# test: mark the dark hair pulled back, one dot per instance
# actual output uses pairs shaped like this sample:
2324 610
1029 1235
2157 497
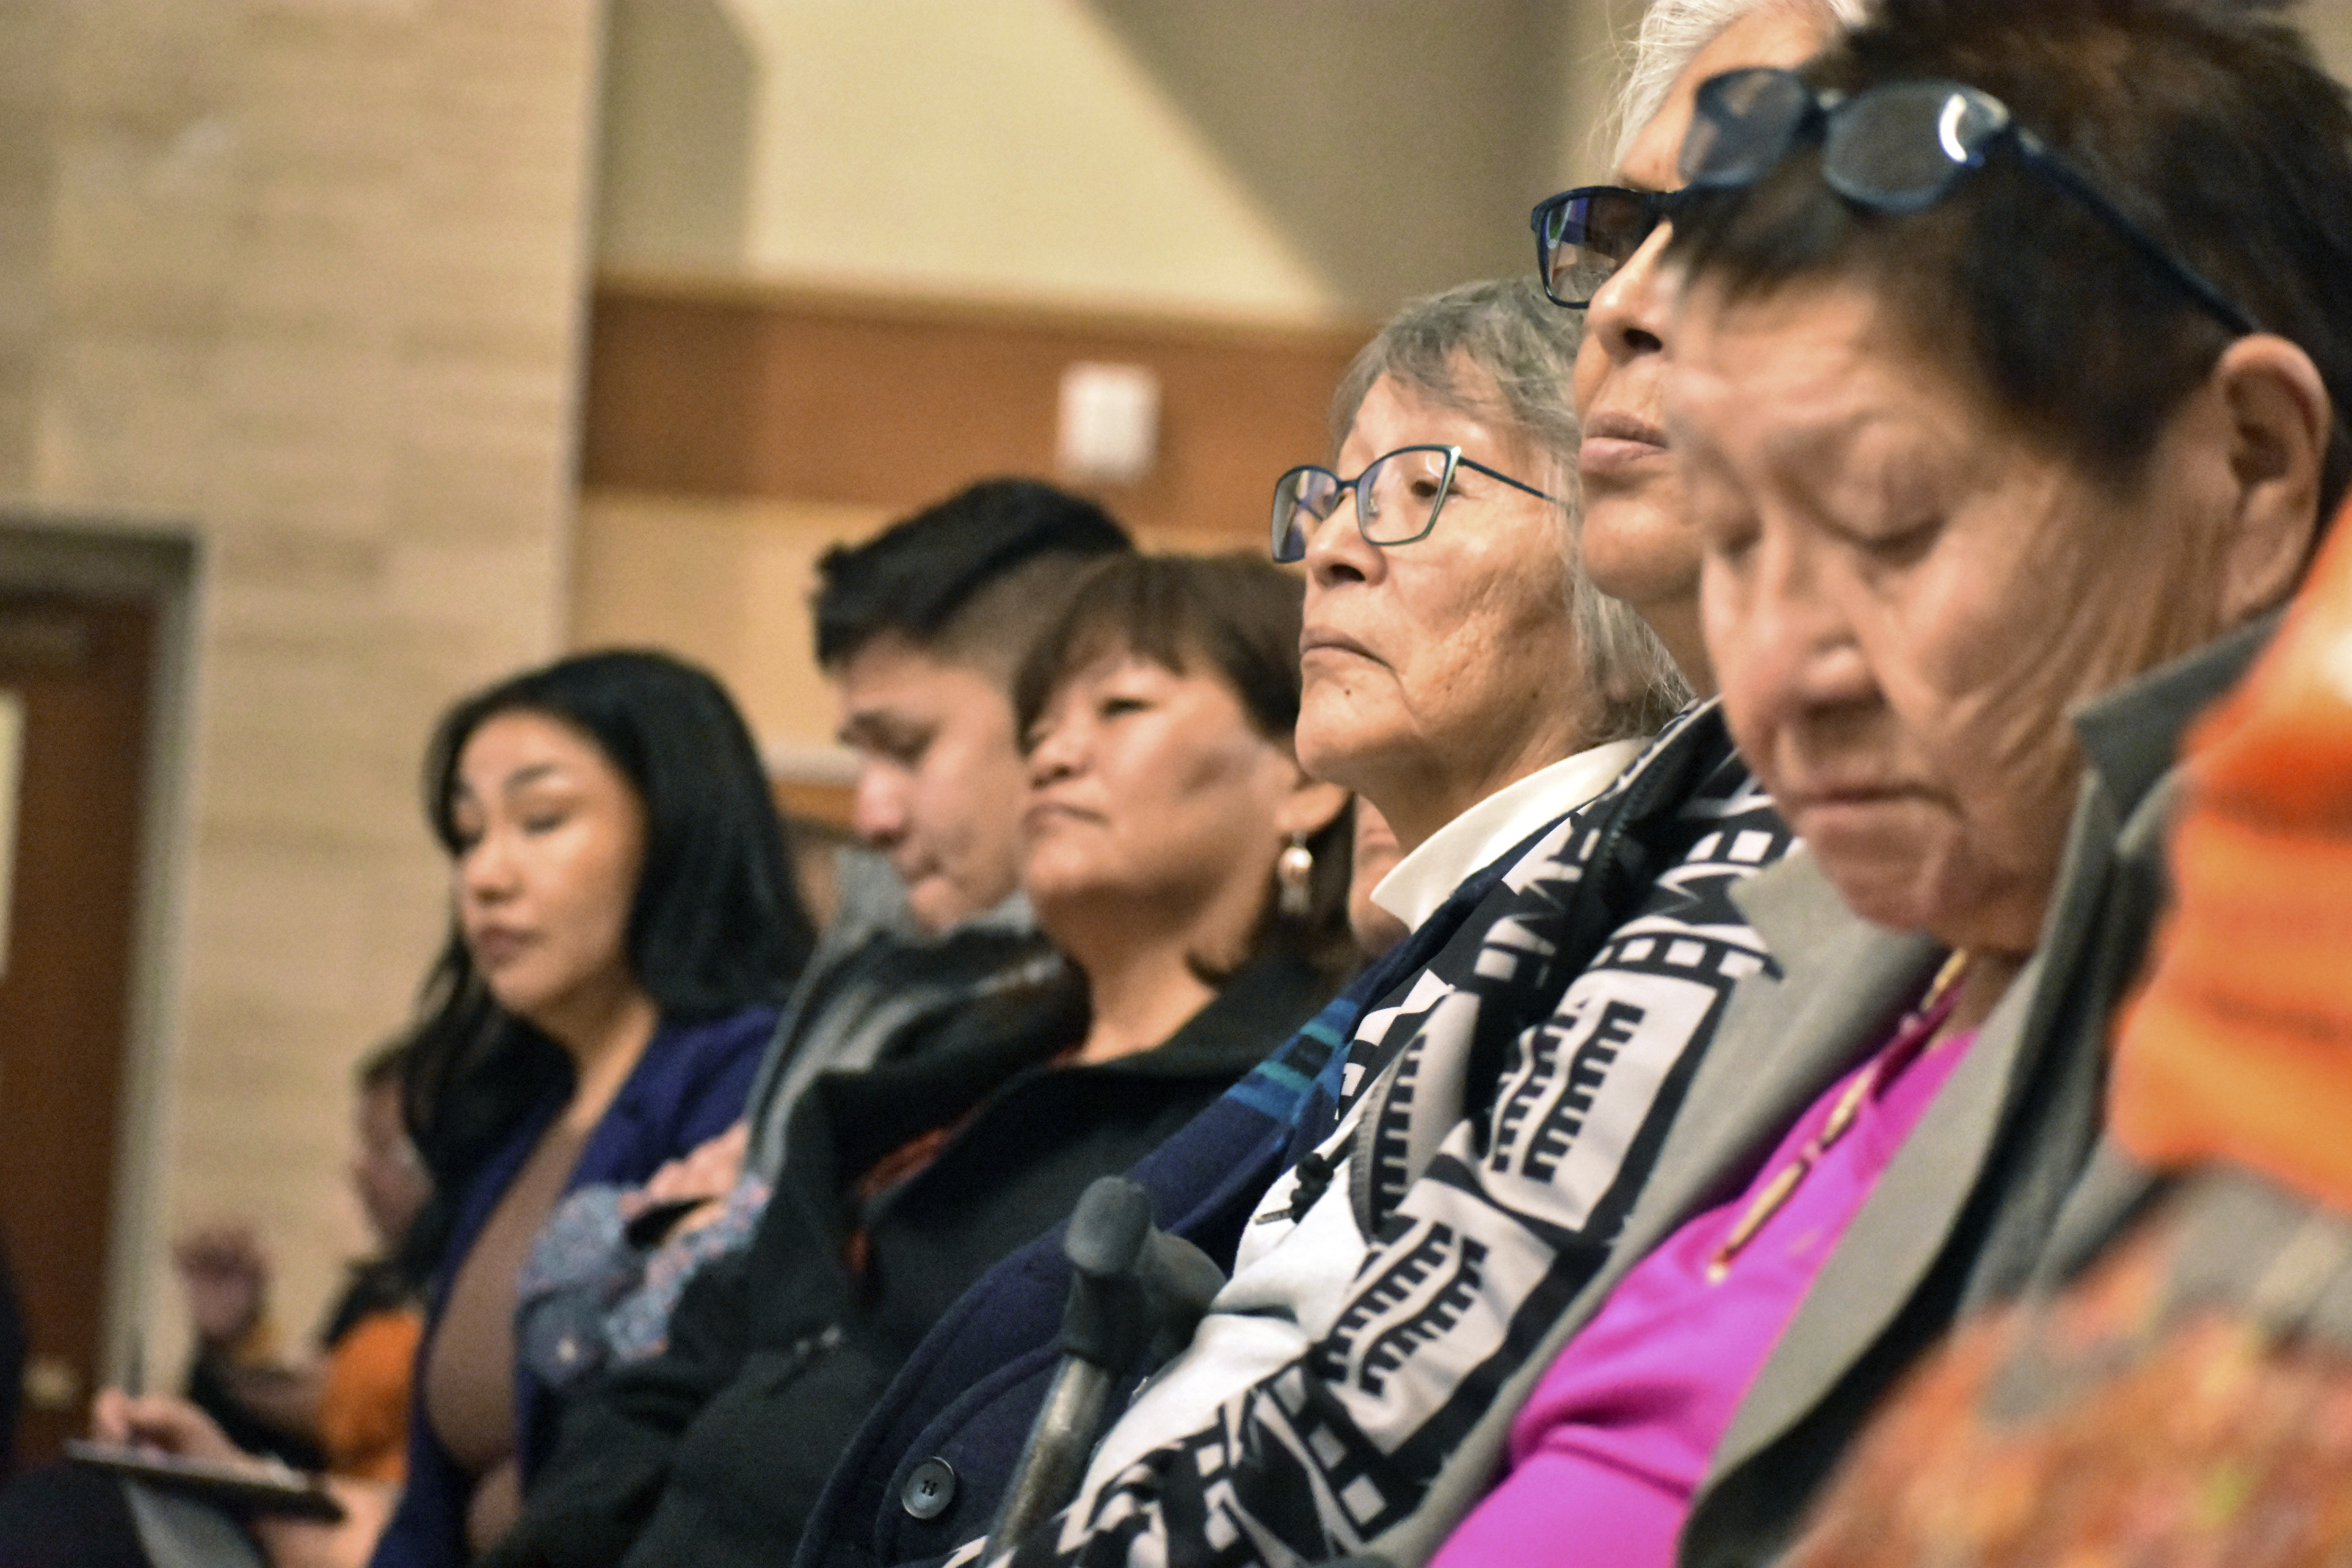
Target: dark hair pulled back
1236 616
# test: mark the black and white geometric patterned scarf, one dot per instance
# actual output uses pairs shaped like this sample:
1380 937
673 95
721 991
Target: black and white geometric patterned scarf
1499 1111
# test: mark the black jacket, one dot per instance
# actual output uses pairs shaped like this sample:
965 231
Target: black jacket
713 1453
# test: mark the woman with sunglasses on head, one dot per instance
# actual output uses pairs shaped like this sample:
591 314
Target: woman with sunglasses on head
1996 480
2171 1393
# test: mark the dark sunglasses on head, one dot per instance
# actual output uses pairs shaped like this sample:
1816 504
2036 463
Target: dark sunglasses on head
1899 148
1896 149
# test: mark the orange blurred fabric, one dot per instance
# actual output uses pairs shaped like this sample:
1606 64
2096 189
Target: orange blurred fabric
2239 1046
363 1406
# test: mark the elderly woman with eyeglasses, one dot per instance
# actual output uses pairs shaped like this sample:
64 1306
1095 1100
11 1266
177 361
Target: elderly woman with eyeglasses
2008 340
1459 671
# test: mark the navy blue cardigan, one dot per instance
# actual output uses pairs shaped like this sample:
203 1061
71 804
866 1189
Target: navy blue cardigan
689 1086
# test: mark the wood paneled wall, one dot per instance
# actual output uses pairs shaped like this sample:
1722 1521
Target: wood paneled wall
703 389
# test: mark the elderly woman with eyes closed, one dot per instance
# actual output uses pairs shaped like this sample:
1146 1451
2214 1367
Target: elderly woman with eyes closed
2008 343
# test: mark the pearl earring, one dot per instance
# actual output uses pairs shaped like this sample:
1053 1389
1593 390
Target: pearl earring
1293 874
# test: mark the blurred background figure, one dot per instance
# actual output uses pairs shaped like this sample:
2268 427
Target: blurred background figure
343 1410
624 923
265 1402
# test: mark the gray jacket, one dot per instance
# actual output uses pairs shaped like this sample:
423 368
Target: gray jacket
1966 1210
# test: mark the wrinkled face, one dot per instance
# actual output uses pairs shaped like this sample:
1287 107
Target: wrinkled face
1904 595
550 837
1638 546
1152 794
385 1172
939 780
1438 671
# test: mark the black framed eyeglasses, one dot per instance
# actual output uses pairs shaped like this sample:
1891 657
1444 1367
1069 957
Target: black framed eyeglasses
1398 497
1584 236
1898 148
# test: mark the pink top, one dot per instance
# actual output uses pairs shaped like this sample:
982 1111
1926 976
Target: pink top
1608 1451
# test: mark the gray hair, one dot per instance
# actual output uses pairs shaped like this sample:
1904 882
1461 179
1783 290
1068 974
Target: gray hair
1672 33
1461 350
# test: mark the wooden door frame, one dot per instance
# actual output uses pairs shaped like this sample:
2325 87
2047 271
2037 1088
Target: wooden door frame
162 567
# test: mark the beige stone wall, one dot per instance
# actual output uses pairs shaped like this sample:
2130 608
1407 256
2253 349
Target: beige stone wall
725 583
300 279
1297 160
2330 26
1307 159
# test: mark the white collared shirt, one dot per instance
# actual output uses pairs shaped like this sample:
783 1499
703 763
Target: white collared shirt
1447 858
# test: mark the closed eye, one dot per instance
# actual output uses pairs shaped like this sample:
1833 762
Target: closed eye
1901 547
901 747
1731 546
1727 530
